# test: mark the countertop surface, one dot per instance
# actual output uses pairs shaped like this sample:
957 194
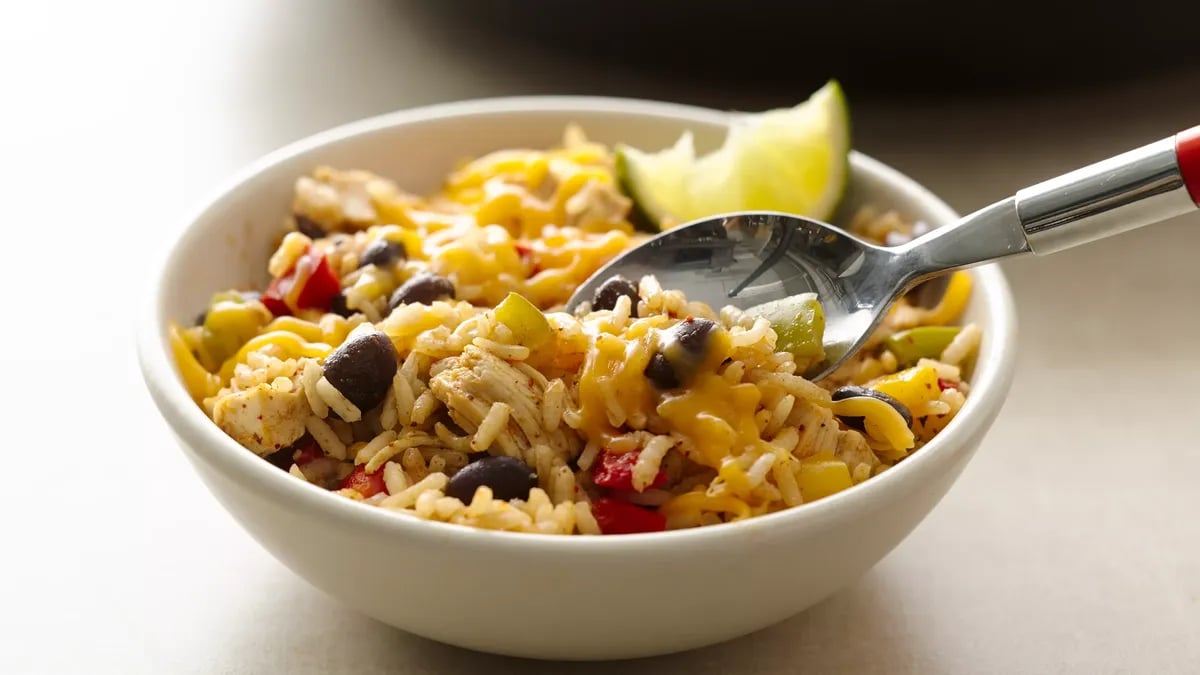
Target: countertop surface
1071 544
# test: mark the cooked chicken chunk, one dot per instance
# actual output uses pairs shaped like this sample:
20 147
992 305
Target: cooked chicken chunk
262 418
469 384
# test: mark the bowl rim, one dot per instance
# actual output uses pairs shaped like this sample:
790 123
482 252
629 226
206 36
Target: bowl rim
202 439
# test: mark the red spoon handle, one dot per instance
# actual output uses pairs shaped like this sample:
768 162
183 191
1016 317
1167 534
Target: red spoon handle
1187 154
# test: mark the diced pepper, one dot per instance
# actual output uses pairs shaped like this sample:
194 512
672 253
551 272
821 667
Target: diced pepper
366 484
944 384
228 324
913 387
615 471
617 517
316 292
822 475
799 324
199 382
527 323
922 342
321 286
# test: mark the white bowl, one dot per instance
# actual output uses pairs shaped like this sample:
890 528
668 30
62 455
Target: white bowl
530 595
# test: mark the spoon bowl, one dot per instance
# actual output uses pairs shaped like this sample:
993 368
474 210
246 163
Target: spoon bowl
750 259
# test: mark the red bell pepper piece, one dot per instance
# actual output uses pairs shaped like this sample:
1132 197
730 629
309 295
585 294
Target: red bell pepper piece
367 484
273 297
321 285
615 471
316 293
617 517
943 385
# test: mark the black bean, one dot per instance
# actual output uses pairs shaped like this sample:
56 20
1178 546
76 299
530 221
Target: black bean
308 227
660 372
362 369
337 305
606 295
508 477
424 288
693 334
282 458
853 391
382 252
200 318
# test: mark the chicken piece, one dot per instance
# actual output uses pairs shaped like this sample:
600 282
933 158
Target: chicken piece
468 385
263 418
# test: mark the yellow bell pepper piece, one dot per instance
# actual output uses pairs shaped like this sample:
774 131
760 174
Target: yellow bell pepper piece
527 323
199 382
913 387
822 475
953 302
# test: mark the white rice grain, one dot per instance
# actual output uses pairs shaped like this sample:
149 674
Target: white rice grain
402 398
554 402
434 483
443 433
780 414
446 507
962 346
387 410
543 462
366 455
312 373
756 334
337 402
437 464
588 456
414 463
405 443
426 502
621 312
506 352
562 484
945 371
860 472
785 480
585 522
796 386
491 426
325 437
423 407
394 478
295 471
649 461
757 472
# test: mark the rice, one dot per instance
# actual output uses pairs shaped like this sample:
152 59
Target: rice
337 402
492 425
324 435
739 435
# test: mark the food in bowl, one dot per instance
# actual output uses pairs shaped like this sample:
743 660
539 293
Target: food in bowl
414 353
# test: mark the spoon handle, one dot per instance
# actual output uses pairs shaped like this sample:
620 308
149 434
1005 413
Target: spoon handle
1150 184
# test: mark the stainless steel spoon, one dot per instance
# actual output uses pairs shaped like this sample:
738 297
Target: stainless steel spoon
750 258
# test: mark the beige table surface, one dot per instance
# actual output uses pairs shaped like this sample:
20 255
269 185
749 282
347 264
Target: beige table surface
1070 545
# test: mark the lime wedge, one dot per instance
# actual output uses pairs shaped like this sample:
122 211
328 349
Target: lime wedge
794 160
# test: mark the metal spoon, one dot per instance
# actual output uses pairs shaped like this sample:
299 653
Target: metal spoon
751 258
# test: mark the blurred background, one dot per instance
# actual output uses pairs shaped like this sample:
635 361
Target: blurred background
118 116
